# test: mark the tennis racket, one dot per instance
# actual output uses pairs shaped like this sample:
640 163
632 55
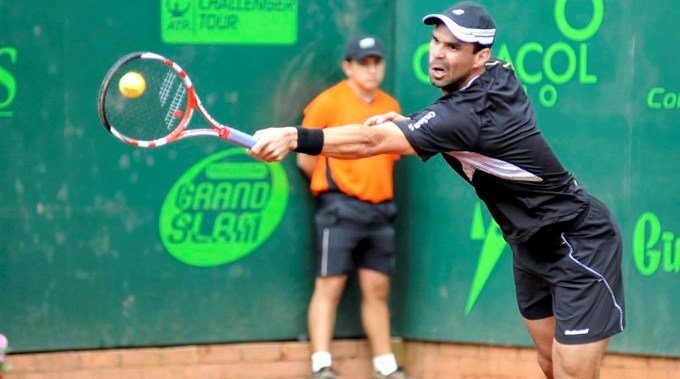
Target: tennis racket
156 108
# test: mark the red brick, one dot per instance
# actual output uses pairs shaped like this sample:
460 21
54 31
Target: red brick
354 367
458 351
262 352
344 349
179 356
53 362
37 375
140 357
99 358
672 364
119 373
166 372
616 360
295 351
284 370
203 371
22 362
81 374
219 354
244 370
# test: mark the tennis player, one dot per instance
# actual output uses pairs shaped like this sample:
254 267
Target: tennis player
566 245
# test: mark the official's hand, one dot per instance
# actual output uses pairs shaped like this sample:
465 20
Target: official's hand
379 119
273 144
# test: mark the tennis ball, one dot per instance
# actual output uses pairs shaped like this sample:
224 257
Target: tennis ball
132 84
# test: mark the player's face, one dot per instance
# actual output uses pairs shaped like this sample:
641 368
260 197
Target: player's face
452 62
367 73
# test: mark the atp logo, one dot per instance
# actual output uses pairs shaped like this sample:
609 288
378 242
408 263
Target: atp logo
176 15
177 8
493 246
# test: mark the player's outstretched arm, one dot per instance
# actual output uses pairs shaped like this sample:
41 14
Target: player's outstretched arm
346 142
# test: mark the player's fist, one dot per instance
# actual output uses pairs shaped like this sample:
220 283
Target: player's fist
387 117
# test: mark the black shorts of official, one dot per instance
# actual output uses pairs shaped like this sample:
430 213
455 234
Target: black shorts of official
353 234
573 272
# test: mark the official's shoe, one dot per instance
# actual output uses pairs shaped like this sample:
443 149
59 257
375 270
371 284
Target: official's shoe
399 374
324 373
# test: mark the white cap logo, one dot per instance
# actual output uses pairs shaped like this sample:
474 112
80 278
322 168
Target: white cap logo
367 43
458 12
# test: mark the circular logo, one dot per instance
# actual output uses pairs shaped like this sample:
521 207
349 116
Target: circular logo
223 208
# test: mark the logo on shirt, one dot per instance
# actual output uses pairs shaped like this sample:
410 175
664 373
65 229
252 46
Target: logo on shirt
424 120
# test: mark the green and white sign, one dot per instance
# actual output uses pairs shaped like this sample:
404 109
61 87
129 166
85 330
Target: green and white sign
247 22
223 208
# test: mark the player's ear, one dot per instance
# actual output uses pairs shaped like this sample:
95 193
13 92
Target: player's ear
482 56
346 68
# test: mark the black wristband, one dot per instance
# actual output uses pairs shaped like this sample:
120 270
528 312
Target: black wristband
309 141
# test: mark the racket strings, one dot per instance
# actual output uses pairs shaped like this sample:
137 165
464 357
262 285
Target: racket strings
157 112
174 111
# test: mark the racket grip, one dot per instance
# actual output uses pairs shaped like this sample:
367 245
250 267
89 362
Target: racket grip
241 139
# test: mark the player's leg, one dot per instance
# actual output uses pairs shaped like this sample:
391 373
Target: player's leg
542 332
377 262
581 361
335 244
375 313
322 311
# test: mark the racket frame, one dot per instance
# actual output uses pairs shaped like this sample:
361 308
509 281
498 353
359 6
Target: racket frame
193 102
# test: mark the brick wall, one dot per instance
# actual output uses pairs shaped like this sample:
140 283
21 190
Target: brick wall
290 360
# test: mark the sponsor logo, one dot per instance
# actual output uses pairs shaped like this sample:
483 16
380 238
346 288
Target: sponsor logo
493 246
423 120
223 208
576 332
663 98
229 21
654 249
8 82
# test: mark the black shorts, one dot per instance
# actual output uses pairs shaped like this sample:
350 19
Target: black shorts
354 234
573 272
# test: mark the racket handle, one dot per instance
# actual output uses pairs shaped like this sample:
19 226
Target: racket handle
241 139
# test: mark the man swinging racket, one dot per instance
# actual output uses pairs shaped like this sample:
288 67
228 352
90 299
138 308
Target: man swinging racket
566 245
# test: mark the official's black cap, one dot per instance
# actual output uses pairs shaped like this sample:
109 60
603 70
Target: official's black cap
362 46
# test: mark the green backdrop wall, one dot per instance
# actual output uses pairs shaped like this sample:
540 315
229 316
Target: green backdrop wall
85 221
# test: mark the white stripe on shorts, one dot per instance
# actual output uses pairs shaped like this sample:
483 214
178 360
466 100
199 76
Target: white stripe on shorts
597 274
324 251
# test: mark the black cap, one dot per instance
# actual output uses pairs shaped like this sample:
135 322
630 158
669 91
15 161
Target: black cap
362 46
467 21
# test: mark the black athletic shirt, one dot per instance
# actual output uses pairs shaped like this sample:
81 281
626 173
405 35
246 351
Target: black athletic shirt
487 133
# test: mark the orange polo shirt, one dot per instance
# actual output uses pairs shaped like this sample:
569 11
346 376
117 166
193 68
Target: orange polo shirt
369 179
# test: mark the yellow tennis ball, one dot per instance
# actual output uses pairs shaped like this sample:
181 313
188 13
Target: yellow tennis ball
132 84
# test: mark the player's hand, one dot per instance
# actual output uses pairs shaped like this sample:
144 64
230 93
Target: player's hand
273 144
379 119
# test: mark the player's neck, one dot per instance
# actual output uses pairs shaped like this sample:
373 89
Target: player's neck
364 94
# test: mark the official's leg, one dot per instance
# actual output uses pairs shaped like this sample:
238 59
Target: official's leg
375 313
322 310
542 332
581 361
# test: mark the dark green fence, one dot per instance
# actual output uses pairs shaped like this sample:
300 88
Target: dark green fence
98 250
